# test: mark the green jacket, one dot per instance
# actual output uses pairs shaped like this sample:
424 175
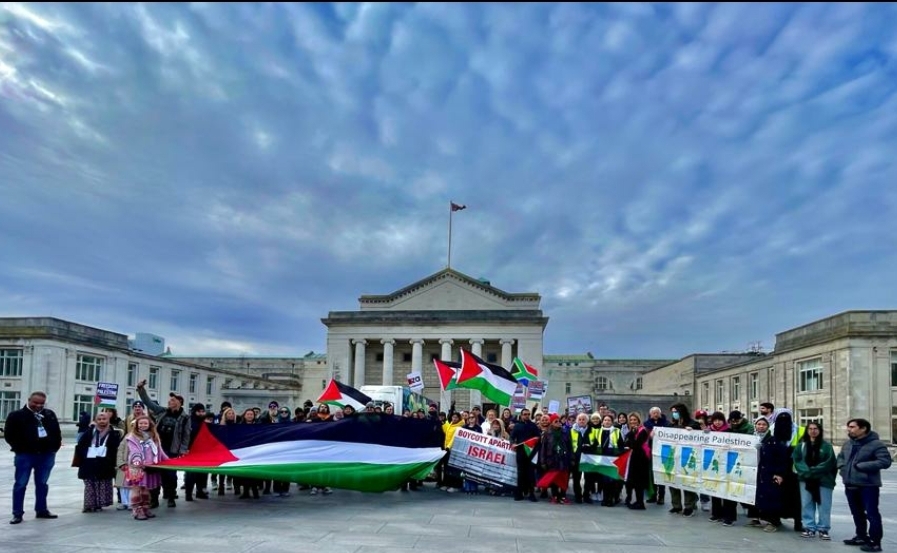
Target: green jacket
745 427
825 471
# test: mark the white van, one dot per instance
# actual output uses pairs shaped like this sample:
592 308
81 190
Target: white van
400 397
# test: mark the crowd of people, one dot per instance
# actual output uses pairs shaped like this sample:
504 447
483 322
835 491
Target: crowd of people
796 473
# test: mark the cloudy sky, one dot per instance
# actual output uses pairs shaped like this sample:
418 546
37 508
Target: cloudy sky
670 179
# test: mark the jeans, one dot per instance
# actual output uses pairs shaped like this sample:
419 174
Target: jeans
816 518
863 504
41 464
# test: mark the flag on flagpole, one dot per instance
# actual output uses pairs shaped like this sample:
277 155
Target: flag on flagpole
340 395
448 373
524 373
616 467
458 207
493 381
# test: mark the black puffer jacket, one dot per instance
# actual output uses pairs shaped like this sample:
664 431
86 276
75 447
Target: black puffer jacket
862 460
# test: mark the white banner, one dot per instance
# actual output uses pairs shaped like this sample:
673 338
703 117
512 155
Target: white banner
721 464
416 381
484 459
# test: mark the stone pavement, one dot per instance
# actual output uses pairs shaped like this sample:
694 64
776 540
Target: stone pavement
429 521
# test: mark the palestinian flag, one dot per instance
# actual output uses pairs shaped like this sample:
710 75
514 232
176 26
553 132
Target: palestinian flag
448 373
340 395
529 445
524 373
368 452
607 465
493 381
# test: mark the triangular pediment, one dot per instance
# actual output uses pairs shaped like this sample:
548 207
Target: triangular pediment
449 290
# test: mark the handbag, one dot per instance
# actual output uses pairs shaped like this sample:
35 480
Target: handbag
76 459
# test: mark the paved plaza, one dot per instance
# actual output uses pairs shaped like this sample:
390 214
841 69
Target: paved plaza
393 522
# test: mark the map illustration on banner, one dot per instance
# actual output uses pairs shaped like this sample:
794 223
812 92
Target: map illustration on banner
719 464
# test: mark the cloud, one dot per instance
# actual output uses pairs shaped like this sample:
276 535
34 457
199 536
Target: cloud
671 178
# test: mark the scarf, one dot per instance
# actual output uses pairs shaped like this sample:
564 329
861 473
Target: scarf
812 453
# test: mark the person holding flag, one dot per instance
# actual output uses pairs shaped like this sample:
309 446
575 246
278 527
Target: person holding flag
556 459
525 436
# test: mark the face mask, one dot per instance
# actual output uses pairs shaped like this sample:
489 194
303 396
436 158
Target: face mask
675 416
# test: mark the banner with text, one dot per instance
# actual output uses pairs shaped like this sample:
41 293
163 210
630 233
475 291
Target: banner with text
483 458
721 464
579 404
107 395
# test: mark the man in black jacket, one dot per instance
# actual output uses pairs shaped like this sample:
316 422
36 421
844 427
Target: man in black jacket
34 436
861 461
682 419
526 478
173 426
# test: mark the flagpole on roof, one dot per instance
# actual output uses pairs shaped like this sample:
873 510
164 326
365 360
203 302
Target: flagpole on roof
453 207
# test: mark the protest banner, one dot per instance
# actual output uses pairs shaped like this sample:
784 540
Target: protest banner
107 395
720 464
579 404
536 390
484 459
416 381
518 400
554 406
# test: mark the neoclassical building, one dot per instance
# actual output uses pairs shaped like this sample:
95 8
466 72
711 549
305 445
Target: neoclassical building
395 334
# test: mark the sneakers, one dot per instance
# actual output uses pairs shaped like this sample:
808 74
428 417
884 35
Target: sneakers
728 523
675 510
451 490
714 519
122 507
327 491
770 528
688 513
314 491
754 523
856 540
871 547
823 535
808 534
565 501
705 506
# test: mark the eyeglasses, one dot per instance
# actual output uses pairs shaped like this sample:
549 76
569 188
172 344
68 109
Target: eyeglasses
284 412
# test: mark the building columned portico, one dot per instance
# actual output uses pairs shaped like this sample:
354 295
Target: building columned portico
399 333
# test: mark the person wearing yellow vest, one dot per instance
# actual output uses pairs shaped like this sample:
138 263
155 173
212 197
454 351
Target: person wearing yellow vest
579 436
609 441
450 481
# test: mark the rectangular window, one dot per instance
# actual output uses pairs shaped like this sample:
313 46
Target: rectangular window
175 381
132 373
82 403
194 378
720 391
894 369
11 362
805 416
602 383
153 382
9 402
406 357
638 383
809 374
379 357
492 358
210 382
566 387
89 368
705 393
736 389
755 386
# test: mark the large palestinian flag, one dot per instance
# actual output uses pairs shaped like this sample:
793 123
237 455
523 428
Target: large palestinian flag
340 395
368 452
493 381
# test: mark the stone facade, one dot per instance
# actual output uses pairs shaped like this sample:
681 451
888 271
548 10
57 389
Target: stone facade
402 332
832 370
66 361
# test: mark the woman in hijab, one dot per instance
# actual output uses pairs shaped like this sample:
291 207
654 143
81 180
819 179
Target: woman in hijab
786 432
773 466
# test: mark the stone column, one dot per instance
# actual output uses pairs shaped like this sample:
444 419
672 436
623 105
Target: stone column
417 354
476 348
358 379
445 398
507 356
388 354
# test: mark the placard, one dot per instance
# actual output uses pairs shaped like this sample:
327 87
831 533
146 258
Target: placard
416 381
107 395
484 459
